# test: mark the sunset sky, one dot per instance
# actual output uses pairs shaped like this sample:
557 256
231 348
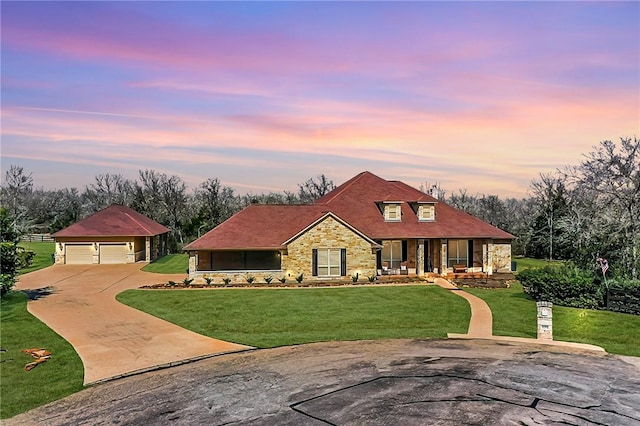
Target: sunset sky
263 95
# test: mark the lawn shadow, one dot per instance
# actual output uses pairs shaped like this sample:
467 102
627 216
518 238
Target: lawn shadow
38 293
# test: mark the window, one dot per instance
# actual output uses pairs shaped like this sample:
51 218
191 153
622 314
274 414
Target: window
392 212
459 252
392 254
426 212
329 262
245 261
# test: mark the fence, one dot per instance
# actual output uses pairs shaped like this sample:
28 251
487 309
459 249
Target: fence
624 300
38 238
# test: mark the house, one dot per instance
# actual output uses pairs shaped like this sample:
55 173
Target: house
366 226
116 234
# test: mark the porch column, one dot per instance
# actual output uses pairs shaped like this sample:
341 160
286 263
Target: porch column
420 258
487 257
443 257
147 249
193 264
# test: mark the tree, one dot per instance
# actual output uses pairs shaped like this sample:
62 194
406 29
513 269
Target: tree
164 199
550 196
106 190
16 191
314 188
9 253
608 182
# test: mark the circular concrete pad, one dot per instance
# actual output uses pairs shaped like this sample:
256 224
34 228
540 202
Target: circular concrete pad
404 382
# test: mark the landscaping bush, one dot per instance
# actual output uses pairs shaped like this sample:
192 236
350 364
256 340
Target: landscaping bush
564 285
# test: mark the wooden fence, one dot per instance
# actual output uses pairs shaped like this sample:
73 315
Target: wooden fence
38 238
624 300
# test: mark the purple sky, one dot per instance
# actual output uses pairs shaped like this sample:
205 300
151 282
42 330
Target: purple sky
263 95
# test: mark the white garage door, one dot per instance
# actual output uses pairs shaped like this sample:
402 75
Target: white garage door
78 254
113 253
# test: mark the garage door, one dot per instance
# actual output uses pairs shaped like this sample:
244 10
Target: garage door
78 254
113 253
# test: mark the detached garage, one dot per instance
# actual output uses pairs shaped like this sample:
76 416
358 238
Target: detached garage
114 235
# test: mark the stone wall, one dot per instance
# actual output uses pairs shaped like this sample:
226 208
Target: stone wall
501 256
329 233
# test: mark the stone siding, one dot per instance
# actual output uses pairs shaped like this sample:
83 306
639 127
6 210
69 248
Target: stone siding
501 256
329 233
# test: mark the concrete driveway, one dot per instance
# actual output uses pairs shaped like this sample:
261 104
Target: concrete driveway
112 339
393 382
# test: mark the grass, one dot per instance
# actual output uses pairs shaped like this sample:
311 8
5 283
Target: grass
169 264
528 262
60 376
514 314
43 253
617 333
270 318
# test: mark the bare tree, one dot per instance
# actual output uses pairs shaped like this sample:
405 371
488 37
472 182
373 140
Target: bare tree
108 189
608 180
314 188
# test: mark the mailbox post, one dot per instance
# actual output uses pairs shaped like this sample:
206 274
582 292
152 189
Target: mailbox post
545 315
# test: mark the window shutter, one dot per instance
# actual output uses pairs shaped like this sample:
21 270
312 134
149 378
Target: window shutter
343 262
378 258
404 250
314 262
470 254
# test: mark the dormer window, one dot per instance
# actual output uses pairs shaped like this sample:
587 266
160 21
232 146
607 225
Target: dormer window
392 212
426 212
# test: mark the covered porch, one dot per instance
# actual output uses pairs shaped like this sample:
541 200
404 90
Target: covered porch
443 256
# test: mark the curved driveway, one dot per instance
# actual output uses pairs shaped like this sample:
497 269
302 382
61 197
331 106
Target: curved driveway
113 339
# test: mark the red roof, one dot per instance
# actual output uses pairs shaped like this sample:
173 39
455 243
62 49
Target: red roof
356 202
259 226
114 221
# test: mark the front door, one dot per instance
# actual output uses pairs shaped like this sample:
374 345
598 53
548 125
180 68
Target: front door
428 262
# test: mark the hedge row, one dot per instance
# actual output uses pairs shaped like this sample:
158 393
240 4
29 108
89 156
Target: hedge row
568 285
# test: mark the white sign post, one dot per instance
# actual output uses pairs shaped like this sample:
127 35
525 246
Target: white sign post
545 315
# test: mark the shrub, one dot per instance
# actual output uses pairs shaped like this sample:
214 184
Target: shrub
226 280
208 280
187 282
282 279
355 278
299 278
268 279
172 283
250 279
564 285
371 278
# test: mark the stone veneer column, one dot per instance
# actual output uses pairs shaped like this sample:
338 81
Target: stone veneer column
147 249
443 257
420 258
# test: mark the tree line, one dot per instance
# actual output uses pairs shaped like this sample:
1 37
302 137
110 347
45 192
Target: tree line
580 212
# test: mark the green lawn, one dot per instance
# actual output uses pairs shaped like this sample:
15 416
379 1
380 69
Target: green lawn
514 314
169 264
42 258
270 318
22 390
528 262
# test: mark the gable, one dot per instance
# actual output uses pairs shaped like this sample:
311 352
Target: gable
358 201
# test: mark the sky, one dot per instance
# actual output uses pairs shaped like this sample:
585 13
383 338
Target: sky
481 96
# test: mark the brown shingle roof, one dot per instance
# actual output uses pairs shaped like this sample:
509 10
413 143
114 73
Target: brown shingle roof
114 221
259 227
356 203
